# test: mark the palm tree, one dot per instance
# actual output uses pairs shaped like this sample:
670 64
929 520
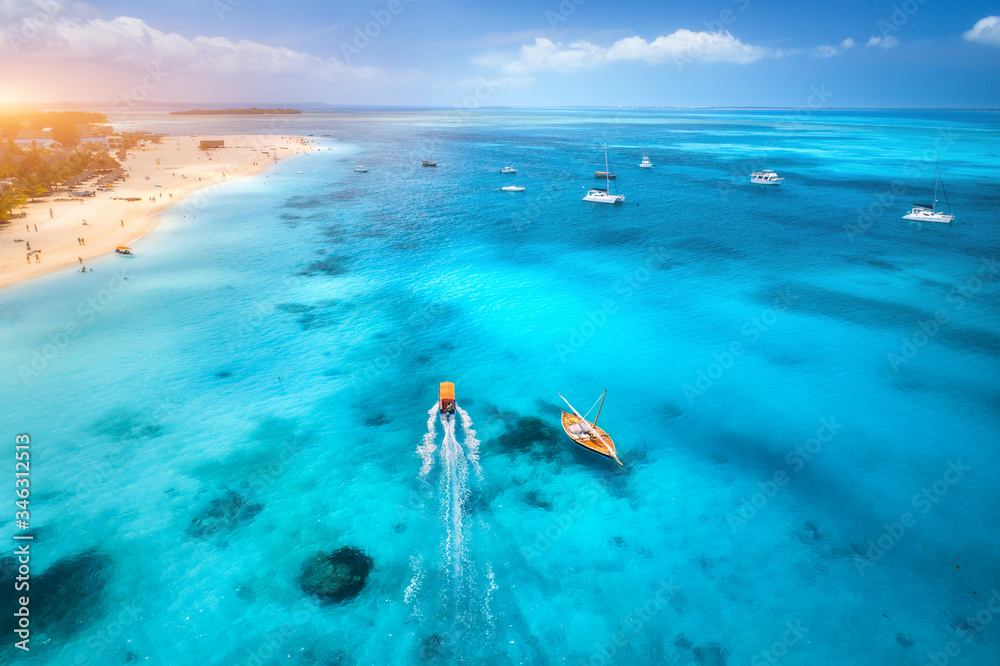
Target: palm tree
33 186
10 198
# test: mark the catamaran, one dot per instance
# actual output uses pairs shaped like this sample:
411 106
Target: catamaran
922 213
602 194
587 435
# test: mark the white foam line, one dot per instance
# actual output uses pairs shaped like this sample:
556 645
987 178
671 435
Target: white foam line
471 443
427 446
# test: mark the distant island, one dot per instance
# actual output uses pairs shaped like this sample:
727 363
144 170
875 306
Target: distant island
254 111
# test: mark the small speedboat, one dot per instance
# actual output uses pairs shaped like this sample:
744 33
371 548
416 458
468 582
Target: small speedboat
765 177
360 169
645 163
512 188
446 399
429 163
508 169
121 249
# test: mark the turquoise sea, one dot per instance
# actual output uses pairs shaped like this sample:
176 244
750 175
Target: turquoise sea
802 386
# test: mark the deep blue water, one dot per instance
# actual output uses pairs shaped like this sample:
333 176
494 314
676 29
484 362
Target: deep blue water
802 386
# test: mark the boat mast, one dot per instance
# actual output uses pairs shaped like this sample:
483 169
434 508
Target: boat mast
937 172
602 405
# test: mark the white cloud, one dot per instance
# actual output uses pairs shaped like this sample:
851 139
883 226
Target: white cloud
886 42
986 31
683 46
826 51
131 40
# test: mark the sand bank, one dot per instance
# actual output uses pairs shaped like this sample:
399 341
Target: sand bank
68 231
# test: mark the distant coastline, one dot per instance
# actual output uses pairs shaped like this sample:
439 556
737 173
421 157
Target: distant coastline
253 112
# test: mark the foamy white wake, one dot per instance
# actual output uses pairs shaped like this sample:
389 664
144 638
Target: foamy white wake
471 443
427 446
455 482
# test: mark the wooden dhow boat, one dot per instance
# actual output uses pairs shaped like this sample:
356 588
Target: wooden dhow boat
587 435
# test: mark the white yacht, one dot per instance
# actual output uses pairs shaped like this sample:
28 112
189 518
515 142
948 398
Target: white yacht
602 194
765 177
508 169
512 188
645 163
359 169
922 213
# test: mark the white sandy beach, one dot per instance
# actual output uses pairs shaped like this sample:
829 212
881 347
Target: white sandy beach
68 231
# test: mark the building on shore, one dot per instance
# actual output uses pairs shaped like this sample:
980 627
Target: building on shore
211 144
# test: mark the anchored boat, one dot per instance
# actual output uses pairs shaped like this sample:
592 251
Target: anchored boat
765 177
603 194
429 163
121 249
924 213
446 398
587 435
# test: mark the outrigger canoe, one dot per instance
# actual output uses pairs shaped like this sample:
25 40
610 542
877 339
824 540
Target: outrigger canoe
587 435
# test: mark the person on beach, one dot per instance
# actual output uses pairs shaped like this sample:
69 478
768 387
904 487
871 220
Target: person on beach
81 260
36 227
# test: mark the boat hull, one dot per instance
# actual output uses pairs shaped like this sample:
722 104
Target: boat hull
760 181
586 440
929 217
512 188
604 197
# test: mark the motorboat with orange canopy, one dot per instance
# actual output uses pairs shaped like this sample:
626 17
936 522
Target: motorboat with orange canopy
122 249
587 435
446 395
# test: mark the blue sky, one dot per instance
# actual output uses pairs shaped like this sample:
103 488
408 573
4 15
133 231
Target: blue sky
549 53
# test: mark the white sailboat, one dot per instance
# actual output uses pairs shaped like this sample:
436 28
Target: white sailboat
923 213
602 194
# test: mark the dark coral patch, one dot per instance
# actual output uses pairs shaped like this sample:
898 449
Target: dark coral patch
223 514
336 577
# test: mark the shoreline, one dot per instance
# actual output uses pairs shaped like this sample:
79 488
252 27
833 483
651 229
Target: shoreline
64 231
